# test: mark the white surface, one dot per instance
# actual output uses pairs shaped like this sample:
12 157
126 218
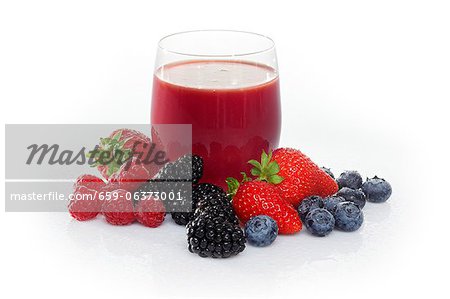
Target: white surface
363 85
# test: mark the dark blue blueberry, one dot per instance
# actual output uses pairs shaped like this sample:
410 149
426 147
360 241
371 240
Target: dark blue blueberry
308 204
319 222
356 196
261 231
331 202
351 179
377 190
348 216
328 171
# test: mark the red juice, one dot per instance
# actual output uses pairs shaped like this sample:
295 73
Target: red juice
234 109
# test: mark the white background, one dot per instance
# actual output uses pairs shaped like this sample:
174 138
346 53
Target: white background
365 85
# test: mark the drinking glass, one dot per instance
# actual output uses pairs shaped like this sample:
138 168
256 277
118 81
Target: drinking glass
225 84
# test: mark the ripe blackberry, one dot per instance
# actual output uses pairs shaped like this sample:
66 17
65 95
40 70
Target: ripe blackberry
183 218
182 209
210 196
197 169
214 200
204 190
214 237
203 196
150 186
225 212
186 168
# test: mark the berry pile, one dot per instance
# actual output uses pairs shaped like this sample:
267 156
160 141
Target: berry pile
283 191
93 196
342 210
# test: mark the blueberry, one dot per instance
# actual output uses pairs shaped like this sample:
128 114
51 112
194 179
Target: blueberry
351 179
319 222
261 231
348 216
331 202
356 196
309 204
376 189
328 171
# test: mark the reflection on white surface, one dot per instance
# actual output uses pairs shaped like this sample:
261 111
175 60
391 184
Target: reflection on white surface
160 255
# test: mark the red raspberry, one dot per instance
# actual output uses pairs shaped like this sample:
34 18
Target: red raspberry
89 181
85 203
131 175
150 212
118 210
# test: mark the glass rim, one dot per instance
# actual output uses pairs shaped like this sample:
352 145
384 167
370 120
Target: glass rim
266 49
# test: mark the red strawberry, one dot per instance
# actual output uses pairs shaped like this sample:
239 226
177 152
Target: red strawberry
120 146
302 178
119 209
131 175
254 198
150 212
85 203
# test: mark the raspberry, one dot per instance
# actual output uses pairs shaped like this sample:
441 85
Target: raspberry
150 212
130 175
119 210
85 203
89 181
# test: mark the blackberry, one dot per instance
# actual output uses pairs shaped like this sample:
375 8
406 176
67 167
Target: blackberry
212 199
225 212
210 196
186 168
197 168
204 190
183 218
210 236
176 197
150 186
203 196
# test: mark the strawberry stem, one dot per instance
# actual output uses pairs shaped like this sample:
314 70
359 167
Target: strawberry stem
233 184
111 153
266 170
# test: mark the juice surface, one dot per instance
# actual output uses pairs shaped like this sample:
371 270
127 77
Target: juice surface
234 109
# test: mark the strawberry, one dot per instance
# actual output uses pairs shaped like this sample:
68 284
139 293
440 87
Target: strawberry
120 146
253 198
130 175
302 178
85 203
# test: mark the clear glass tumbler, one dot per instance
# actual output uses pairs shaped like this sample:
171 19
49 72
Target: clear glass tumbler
224 83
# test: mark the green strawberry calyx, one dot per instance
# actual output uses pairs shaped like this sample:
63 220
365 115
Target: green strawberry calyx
266 171
233 184
111 153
